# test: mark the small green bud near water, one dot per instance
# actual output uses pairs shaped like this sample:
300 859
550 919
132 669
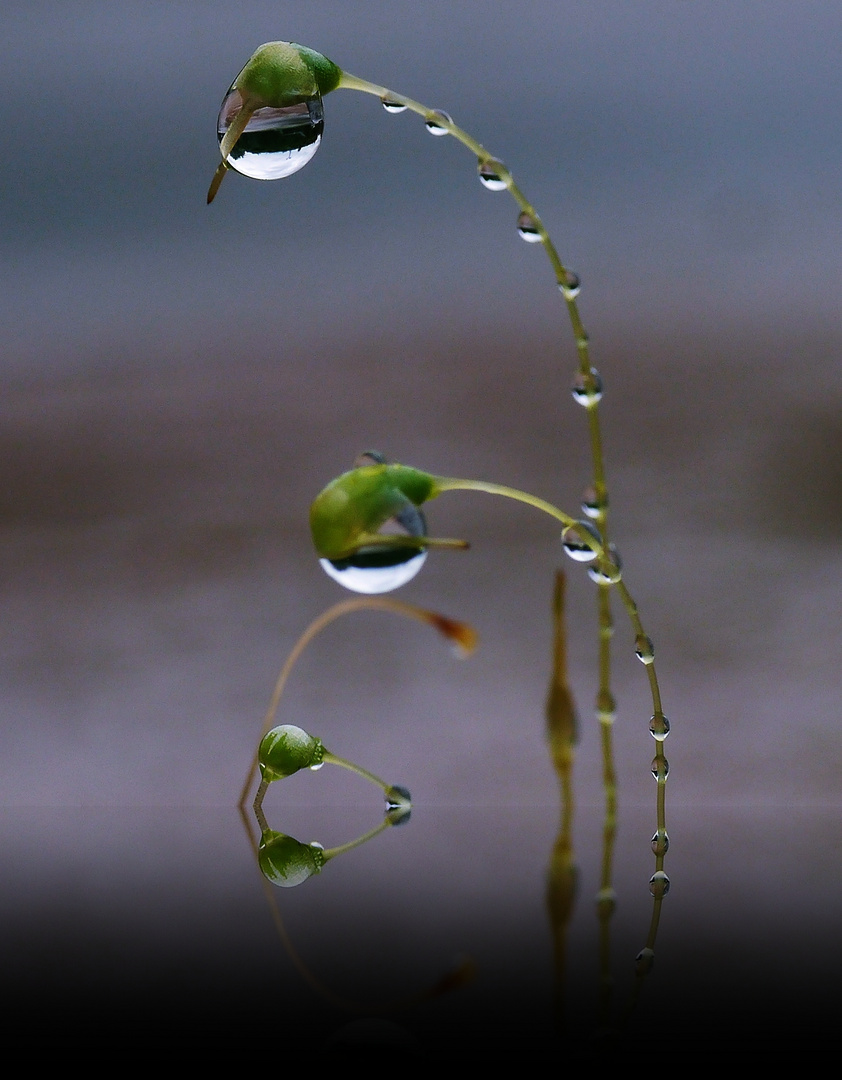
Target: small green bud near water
287 749
285 861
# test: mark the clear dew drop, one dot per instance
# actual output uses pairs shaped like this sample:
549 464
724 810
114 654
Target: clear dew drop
609 573
317 766
660 842
437 121
376 570
275 142
527 227
659 884
592 506
644 649
660 769
659 726
373 569
643 961
587 388
575 545
391 106
490 175
571 286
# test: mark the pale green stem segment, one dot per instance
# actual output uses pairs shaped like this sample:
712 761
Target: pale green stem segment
605 619
331 853
364 773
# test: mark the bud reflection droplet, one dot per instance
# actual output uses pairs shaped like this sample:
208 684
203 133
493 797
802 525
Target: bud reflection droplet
275 142
373 569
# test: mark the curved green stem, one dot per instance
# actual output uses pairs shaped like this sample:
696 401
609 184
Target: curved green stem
331 853
563 279
364 773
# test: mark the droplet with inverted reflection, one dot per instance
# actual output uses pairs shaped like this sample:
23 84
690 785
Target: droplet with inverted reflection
375 569
528 229
490 174
574 541
660 842
610 572
571 286
275 142
392 106
587 388
436 123
659 726
659 884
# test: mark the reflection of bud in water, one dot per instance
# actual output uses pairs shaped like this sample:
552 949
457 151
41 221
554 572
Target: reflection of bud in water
286 749
285 861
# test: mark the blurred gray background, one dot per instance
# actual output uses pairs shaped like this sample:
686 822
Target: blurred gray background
179 382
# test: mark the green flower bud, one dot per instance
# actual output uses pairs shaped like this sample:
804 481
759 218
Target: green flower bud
287 862
285 750
282 73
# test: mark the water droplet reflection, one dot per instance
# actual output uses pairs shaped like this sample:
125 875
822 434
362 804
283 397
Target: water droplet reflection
571 286
490 175
391 106
587 388
437 122
527 227
275 142
575 544
376 569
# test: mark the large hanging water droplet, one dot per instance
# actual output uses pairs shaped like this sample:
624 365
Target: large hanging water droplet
587 388
528 229
275 142
575 544
391 106
659 726
377 569
437 122
490 174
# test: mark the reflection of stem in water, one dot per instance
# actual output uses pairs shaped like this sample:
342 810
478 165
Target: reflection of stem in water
457 977
462 635
561 735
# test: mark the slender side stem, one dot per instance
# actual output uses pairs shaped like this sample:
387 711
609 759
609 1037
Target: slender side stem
331 853
458 632
364 773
